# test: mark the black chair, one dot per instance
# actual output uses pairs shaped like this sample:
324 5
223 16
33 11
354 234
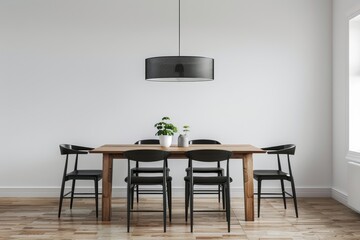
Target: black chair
95 175
218 170
205 155
146 170
279 174
132 180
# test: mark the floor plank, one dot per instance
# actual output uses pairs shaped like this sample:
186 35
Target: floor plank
36 218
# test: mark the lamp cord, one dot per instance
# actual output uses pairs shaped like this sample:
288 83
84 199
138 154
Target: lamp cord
179 27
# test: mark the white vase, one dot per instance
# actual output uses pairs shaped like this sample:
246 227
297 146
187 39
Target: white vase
165 140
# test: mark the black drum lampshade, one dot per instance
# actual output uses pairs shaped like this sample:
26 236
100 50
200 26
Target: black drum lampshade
179 69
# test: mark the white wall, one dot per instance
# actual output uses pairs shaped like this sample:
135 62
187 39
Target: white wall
343 10
73 72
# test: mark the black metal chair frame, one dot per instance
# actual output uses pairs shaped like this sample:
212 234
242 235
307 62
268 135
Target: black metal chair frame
261 175
146 170
132 180
216 170
207 155
95 175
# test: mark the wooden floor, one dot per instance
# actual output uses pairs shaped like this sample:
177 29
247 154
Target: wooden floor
36 218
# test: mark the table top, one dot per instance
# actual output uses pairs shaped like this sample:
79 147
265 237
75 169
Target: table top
237 149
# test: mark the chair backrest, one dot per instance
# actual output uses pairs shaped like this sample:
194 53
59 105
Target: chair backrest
146 155
286 149
208 155
148 141
281 149
66 149
204 141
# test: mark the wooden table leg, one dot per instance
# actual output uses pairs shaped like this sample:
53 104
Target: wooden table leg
107 187
248 187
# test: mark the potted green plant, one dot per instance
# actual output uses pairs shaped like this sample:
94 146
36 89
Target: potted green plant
183 140
165 131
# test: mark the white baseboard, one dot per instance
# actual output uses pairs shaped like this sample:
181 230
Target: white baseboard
339 196
312 192
177 192
342 198
29 192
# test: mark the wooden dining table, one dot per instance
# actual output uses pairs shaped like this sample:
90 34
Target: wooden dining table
116 151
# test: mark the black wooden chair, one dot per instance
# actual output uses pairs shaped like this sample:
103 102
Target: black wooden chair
217 170
132 180
207 155
146 170
279 174
76 174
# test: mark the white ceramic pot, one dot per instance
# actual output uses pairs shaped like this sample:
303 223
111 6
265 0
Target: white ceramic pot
165 140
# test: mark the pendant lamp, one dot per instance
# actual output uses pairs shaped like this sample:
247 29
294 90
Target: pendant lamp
179 68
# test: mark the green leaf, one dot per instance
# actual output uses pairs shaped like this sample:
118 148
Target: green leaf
164 127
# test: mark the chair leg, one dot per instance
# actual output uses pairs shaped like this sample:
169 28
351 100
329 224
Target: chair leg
219 189
223 192
219 194
186 200
164 205
136 187
96 197
294 196
228 207
283 192
191 188
259 196
226 201
61 196
137 194
128 207
132 195
72 193
169 198
223 195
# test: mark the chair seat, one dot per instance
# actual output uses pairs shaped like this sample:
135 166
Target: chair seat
208 180
270 174
148 180
84 174
206 170
148 170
